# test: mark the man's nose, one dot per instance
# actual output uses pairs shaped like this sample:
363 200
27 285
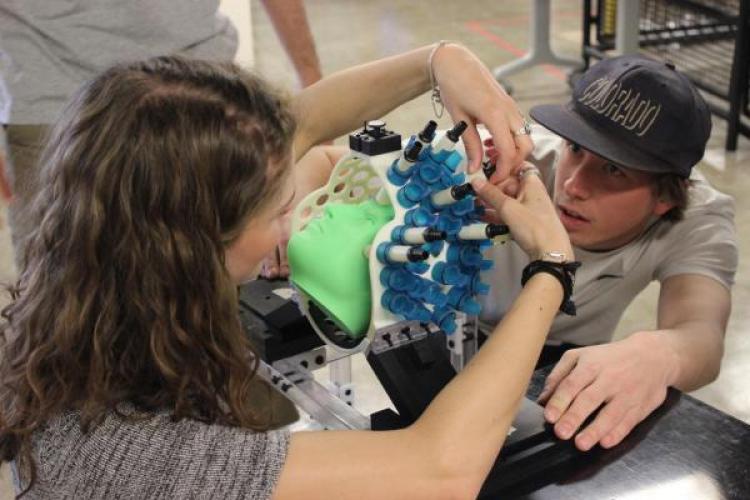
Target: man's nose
578 183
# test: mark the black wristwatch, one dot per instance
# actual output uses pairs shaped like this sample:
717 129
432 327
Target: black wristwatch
565 272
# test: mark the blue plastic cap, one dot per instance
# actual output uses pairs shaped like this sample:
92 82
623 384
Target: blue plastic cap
471 306
427 204
437 272
470 256
446 181
448 274
445 319
463 207
486 265
414 192
395 177
450 225
439 156
434 247
436 297
455 295
382 252
429 171
453 160
397 303
403 200
419 217
458 179
417 267
454 253
397 278
387 298
477 287
454 275
460 298
448 326
419 313
385 276
411 194
431 293
397 233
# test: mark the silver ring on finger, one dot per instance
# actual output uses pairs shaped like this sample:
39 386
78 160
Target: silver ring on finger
531 170
525 129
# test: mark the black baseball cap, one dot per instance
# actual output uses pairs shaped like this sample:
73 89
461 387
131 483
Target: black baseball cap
635 112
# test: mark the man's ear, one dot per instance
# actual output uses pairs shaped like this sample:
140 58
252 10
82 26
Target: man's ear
663 206
5 192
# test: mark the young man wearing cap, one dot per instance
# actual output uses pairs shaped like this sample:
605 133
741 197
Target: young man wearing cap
620 176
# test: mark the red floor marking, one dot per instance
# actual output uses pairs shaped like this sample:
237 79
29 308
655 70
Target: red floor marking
478 28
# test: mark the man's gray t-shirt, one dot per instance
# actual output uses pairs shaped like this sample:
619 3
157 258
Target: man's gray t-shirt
49 48
704 243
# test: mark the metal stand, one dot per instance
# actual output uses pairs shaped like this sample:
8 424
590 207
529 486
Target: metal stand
412 361
311 397
540 51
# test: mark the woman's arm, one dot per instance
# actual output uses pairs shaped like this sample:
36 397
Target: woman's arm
343 101
450 449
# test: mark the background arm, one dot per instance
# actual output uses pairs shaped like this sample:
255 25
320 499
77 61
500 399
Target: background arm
290 23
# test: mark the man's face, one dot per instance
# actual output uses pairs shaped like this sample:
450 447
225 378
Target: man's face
601 205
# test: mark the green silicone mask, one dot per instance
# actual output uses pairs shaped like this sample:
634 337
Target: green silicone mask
328 263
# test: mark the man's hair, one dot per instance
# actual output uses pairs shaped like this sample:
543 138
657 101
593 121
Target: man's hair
675 189
124 297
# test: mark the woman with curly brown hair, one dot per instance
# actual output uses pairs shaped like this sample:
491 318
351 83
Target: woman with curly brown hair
125 371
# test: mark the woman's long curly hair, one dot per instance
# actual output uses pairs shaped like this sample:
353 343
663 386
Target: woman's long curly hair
154 168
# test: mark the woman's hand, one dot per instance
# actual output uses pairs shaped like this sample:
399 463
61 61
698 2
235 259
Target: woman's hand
311 172
471 93
531 216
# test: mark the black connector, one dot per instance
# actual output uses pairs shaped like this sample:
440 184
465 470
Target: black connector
412 154
458 129
434 234
496 230
374 139
428 133
462 191
417 254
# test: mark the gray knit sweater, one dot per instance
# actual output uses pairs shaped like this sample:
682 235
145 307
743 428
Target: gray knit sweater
154 458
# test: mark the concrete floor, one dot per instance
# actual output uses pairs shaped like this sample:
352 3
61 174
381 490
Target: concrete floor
348 32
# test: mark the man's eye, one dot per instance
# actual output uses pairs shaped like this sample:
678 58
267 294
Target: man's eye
613 170
575 148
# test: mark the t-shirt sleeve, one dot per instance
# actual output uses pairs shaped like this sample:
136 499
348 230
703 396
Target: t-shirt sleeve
704 243
238 463
153 456
225 462
191 459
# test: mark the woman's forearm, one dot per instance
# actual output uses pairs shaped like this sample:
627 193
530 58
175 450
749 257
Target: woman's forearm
472 415
357 94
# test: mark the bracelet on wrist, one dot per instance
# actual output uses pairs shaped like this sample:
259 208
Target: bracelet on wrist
435 98
565 272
